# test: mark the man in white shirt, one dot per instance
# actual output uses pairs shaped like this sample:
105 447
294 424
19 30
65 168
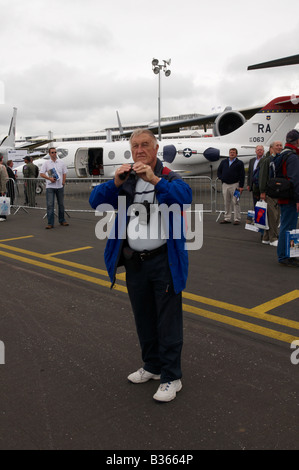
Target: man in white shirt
54 171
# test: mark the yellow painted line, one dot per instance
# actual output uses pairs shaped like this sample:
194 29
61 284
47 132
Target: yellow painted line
70 251
17 238
197 298
188 308
241 324
71 264
60 270
254 313
278 302
121 276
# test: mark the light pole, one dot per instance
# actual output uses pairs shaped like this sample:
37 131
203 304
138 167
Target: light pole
157 69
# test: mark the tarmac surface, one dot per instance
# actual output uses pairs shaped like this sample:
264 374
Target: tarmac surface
70 343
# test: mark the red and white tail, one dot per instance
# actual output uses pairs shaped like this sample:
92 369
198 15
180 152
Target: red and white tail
271 123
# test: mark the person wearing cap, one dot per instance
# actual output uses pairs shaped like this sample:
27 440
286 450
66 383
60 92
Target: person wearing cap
29 172
289 208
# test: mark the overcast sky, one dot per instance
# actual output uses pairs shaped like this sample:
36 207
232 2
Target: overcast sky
68 65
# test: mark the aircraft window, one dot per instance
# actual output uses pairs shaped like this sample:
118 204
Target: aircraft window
127 154
62 153
111 155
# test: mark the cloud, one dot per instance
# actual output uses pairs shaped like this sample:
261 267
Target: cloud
68 65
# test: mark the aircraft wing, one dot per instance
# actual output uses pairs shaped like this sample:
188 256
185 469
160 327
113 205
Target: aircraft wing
291 60
30 146
203 120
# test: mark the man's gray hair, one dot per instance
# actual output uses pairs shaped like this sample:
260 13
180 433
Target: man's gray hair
138 132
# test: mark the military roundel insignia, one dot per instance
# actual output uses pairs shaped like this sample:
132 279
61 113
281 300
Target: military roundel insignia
187 153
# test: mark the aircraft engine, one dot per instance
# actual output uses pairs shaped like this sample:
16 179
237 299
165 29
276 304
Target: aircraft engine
227 122
212 154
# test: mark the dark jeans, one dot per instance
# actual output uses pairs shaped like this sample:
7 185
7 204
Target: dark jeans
158 316
51 193
288 221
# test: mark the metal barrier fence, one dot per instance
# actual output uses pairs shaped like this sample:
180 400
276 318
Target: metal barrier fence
31 194
246 199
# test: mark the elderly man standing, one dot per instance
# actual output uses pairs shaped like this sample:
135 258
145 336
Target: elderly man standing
156 267
253 173
289 208
270 237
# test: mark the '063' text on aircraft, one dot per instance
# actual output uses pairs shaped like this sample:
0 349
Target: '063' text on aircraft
193 156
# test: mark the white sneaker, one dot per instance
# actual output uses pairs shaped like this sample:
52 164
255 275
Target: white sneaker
168 391
275 243
141 376
265 242
2 220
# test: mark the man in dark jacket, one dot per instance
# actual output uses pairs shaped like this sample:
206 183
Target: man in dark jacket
270 237
156 267
289 208
29 172
232 174
253 173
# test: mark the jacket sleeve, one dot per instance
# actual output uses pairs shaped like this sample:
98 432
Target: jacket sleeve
3 178
292 166
105 193
249 174
219 171
242 174
264 174
176 191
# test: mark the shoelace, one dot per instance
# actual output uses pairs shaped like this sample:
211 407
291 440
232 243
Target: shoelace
165 387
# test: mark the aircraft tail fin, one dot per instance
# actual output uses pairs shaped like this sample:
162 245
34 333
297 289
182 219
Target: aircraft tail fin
121 131
10 139
270 123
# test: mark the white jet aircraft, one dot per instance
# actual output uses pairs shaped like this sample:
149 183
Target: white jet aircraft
8 148
195 156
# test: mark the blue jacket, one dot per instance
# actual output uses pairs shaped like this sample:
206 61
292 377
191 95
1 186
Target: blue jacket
171 189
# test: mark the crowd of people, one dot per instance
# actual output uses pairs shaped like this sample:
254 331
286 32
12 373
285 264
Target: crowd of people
282 214
53 171
157 270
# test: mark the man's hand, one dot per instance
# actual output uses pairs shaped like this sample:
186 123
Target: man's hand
263 196
122 174
146 173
